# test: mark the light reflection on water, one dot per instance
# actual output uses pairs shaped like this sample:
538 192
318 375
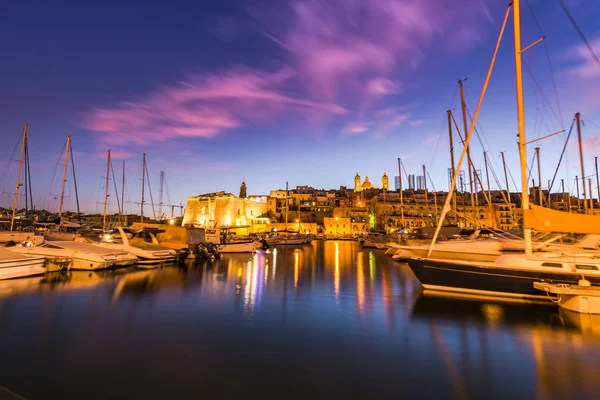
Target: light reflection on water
326 320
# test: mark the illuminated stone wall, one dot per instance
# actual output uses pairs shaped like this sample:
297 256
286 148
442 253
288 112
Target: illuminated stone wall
221 209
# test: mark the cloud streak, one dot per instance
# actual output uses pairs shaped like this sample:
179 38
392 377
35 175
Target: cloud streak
204 106
341 58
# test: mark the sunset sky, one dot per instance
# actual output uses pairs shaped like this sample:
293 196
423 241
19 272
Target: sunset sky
309 92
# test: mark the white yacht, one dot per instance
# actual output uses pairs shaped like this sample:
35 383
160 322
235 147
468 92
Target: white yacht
490 248
84 256
14 265
140 243
508 276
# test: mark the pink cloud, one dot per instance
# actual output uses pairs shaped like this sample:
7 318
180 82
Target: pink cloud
378 124
355 128
340 43
204 106
587 66
348 52
416 122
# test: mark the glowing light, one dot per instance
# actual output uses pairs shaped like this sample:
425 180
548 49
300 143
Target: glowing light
171 221
106 237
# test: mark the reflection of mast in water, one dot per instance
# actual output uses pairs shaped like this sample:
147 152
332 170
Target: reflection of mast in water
565 364
336 273
388 297
254 282
458 383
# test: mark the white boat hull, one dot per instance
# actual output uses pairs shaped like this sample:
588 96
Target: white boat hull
21 268
243 247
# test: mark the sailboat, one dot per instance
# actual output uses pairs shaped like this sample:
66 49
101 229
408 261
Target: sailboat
15 234
513 275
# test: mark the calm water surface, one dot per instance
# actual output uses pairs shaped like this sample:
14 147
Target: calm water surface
329 320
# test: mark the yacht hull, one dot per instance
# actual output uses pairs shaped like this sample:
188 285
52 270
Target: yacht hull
240 247
481 280
22 268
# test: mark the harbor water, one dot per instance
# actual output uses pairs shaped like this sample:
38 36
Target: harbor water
326 320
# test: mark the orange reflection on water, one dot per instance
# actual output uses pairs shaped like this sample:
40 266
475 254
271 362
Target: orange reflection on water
360 284
336 272
296 267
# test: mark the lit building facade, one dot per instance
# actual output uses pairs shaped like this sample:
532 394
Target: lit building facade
223 209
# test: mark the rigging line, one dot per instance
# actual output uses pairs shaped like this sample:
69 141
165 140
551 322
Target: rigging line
74 180
150 190
530 168
433 150
579 31
115 186
12 156
431 180
513 181
537 84
550 67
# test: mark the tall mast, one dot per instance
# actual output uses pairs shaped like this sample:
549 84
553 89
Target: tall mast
578 119
597 179
401 194
591 198
452 165
521 120
540 193
74 180
106 192
578 199
160 194
18 183
27 179
463 105
487 174
143 181
287 205
123 195
64 179
425 186
487 178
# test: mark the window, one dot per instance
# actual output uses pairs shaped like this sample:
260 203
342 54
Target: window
552 265
587 267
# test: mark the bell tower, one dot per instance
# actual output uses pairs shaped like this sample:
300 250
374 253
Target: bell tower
243 190
385 182
357 182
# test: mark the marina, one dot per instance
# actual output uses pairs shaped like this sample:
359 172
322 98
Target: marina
307 318
177 261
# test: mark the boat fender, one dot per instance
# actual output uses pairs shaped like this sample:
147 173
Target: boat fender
584 282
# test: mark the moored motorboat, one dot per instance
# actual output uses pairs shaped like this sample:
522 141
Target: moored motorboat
140 243
14 265
84 256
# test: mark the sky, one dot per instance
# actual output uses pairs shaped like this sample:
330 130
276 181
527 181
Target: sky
305 91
